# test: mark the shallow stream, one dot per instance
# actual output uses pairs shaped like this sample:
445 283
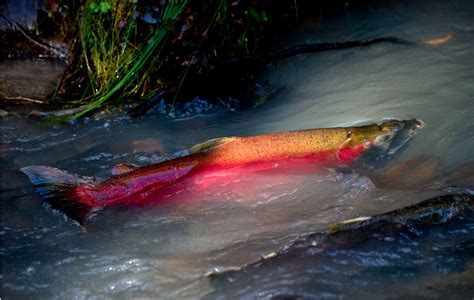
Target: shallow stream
165 250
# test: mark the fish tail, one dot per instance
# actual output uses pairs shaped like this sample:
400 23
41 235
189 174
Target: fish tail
59 189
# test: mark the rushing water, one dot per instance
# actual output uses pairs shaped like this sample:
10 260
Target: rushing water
165 250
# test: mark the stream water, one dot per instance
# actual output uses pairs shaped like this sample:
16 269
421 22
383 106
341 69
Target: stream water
164 251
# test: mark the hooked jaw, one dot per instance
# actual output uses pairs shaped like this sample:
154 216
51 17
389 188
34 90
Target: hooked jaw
396 125
397 134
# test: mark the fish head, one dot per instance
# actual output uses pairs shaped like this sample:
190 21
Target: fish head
396 134
381 140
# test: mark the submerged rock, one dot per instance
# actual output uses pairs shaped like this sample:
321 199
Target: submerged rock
462 176
360 256
418 172
147 146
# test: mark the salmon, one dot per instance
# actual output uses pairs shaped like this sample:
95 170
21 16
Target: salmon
314 150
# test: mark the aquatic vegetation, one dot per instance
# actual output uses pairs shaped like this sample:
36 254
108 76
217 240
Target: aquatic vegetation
121 48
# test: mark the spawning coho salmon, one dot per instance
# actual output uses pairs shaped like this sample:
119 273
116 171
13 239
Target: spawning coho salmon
314 150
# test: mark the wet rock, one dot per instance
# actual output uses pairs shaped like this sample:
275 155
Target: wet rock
27 81
264 92
432 211
147 146
3 113
313 251
36 113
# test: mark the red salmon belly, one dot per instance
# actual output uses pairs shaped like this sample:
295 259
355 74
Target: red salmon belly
349 154
237 177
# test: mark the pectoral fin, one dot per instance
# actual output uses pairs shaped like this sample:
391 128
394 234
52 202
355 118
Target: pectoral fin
123 168
180 170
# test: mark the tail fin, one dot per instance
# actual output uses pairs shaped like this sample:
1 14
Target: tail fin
58 188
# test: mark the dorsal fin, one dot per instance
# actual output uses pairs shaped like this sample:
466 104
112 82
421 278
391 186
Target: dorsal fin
210 144
123 168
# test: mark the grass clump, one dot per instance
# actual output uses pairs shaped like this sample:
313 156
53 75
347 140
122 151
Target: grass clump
120 55
117 57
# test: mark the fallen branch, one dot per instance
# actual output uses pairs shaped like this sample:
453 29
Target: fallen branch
25 99
243 63
310 48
